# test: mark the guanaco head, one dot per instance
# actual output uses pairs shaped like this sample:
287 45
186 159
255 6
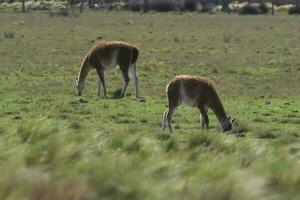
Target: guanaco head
227 124
79 86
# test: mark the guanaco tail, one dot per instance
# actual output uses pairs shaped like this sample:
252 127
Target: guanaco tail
108 55
195 92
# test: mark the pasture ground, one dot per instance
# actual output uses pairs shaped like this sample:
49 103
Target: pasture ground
55 146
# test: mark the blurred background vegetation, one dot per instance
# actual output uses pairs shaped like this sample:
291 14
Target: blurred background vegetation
211 6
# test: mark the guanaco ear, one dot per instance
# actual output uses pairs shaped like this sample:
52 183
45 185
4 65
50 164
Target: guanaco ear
76 79
229 117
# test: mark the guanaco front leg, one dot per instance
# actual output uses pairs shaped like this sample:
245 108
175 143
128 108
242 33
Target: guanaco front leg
100 72
204 117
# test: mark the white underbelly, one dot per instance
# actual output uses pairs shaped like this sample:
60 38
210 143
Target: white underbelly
185 98
110 62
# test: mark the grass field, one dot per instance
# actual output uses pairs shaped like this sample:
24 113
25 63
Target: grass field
56 145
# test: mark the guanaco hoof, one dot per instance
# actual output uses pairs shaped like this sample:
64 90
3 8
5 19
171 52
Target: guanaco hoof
141 99
83 101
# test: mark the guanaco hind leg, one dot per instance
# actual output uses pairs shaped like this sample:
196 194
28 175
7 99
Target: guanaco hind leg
124 71
132 70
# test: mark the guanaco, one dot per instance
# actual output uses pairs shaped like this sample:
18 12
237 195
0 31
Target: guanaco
195 92
107 55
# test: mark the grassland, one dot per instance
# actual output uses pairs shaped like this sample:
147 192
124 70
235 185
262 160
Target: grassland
55 146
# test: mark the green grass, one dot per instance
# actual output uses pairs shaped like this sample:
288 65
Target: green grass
56 145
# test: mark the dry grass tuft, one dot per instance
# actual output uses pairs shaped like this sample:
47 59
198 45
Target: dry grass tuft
67 190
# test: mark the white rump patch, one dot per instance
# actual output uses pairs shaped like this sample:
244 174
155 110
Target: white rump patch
185 98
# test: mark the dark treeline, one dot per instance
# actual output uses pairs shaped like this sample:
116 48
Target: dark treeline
211 6
163 5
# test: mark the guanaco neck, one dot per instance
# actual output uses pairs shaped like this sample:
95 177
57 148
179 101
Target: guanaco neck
84 71
218 109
